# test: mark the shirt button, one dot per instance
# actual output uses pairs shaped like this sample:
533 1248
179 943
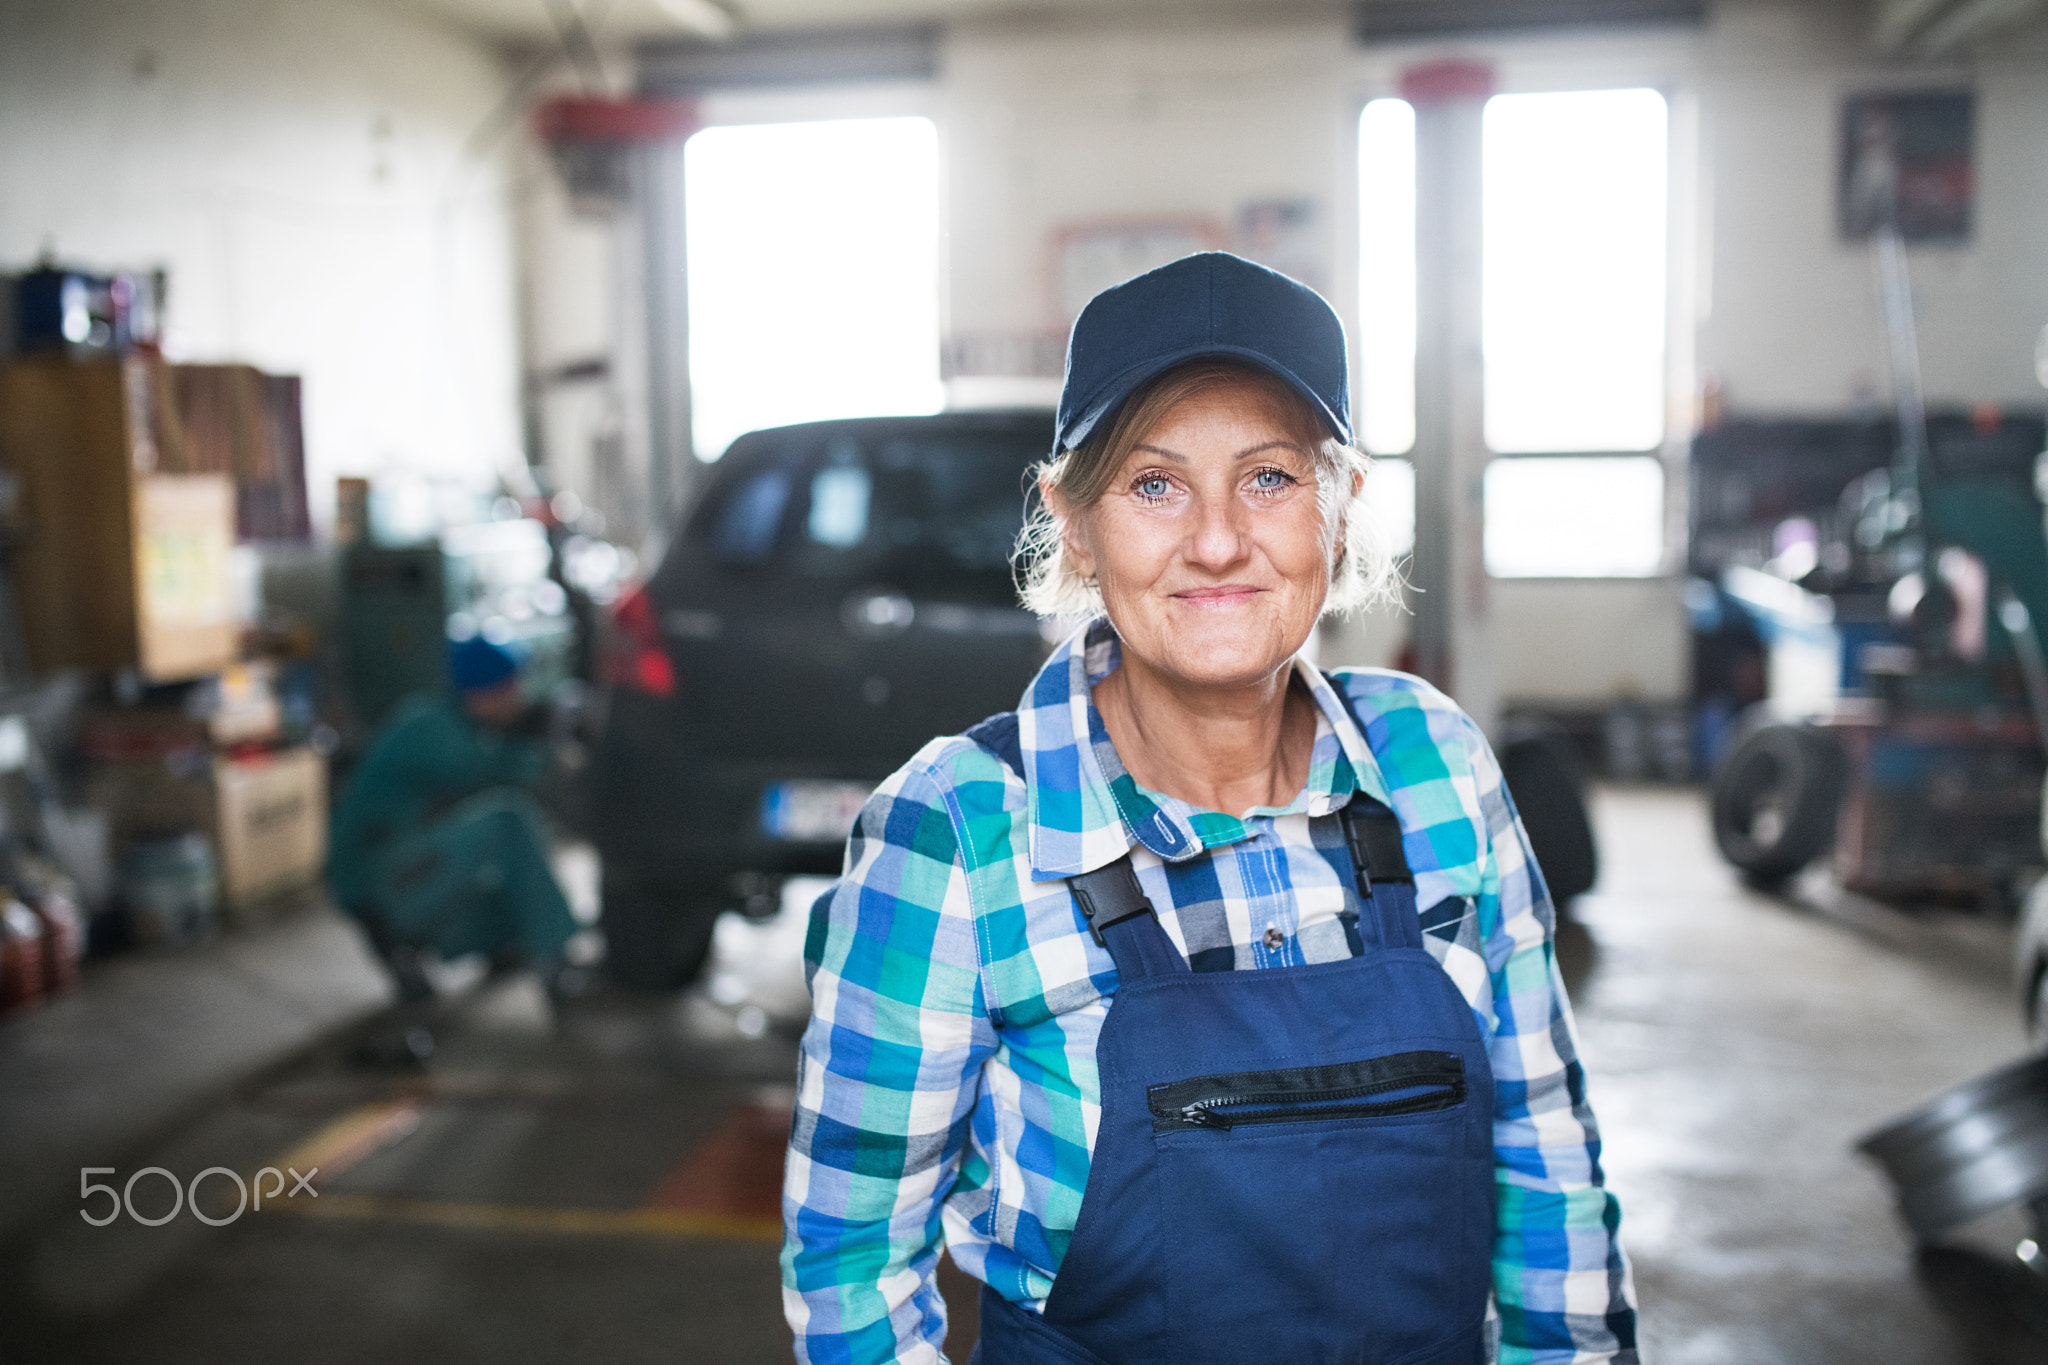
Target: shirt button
1275 939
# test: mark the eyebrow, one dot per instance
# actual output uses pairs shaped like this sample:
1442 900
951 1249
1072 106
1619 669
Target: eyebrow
1244 454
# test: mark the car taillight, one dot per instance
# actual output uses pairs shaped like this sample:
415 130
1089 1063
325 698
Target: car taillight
636 658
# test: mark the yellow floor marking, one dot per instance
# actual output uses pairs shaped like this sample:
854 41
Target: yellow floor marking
353 1136
538 1218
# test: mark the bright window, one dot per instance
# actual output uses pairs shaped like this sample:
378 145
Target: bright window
1574 262
1386 277
1575 517
839 506
813 275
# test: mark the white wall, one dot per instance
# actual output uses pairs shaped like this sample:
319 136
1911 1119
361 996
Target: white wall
1049 124
300 168
1587 642
1575 644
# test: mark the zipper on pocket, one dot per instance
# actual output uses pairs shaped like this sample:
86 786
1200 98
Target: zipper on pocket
1377 1087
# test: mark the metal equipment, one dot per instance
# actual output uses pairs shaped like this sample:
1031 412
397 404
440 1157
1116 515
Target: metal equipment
402 604
1913 746
1907 707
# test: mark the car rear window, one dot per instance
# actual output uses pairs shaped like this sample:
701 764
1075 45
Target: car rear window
931 514
750 526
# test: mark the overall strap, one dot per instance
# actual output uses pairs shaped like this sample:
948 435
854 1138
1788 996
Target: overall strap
1123 921
1372 835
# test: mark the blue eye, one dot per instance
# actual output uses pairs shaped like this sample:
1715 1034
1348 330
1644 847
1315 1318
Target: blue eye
1152 486
1270 479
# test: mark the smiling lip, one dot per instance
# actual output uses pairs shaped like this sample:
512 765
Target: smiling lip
1222 595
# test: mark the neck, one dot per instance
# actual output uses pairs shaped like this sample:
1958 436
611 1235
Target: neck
1222 749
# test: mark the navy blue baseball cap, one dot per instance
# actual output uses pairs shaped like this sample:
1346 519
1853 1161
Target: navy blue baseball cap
1208 304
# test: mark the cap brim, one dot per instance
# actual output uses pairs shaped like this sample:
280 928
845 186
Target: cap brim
1112 395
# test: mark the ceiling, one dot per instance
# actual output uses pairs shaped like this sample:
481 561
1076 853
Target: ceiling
1919 27
629 20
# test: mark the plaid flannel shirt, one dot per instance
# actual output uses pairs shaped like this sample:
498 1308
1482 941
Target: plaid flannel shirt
948 1092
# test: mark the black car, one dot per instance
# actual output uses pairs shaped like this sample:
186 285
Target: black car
839 594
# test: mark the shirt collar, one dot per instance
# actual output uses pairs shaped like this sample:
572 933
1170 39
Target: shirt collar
1085 811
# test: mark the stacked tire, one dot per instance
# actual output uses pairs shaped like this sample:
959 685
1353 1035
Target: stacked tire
1548 784
1776 798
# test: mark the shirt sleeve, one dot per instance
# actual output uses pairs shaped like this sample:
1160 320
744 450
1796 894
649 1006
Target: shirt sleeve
1560 1277
886 1085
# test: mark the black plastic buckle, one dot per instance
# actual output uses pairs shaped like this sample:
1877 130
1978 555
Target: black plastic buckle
1109 895
1373 834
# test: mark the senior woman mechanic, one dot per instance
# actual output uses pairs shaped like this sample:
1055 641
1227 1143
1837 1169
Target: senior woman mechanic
1205 1006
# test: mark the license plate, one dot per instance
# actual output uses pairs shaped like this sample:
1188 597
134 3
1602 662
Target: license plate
812 812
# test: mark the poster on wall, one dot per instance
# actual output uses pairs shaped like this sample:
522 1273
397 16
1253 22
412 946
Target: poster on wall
1090 256
1908 157
1283 235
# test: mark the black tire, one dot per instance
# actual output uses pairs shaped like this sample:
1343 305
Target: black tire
657 934
1775 801
1544 778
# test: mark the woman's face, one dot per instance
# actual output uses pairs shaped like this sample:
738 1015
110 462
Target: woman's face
1210 546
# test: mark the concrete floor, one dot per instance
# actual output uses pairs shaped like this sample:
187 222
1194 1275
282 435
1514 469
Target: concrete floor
1737 1045
608 1192
149 1040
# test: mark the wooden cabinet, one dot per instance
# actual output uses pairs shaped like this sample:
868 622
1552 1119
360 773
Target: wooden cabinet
115 563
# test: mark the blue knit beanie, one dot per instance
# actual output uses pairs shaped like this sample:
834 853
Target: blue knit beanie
475 664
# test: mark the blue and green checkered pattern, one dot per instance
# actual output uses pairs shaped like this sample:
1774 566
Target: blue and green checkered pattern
948 1093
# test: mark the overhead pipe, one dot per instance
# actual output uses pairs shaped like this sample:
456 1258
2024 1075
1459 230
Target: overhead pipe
1972 19
1931 28
1901 21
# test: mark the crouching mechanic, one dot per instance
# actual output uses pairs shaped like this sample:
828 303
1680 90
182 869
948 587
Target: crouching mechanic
436 847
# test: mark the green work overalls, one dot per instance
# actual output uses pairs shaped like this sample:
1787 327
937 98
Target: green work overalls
434 844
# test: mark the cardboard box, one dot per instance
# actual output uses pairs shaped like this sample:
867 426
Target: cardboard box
246 708
270 823
266 813
185 598
119 565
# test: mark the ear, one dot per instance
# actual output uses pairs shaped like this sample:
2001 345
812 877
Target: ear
1073 530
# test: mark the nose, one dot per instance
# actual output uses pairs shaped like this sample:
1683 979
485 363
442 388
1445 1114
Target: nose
1218 539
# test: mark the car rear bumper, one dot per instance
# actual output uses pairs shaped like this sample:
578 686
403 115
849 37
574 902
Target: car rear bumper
661 811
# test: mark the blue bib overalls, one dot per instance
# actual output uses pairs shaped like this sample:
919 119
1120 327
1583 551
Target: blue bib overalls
1294 1164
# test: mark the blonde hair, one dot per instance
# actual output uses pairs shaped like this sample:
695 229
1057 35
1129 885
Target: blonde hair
1050 584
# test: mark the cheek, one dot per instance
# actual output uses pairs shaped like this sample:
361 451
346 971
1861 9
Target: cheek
1300 545
1129 547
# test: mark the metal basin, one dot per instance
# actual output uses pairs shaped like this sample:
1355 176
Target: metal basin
1969 1151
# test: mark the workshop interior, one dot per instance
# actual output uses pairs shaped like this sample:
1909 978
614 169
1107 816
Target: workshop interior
624 414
